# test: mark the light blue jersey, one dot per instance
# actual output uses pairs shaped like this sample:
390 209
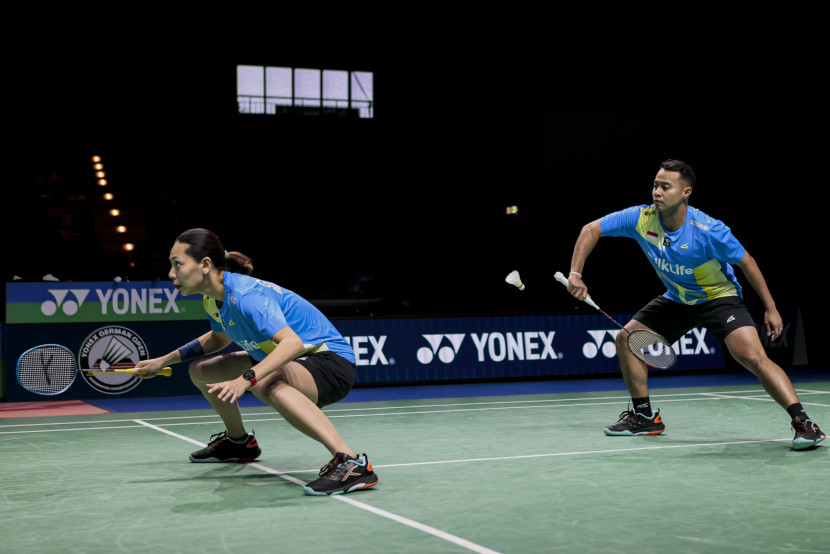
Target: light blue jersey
693 262
254 310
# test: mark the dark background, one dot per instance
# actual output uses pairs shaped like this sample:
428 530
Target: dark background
564 114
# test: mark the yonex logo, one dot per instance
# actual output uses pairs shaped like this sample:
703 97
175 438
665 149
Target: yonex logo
364 346
598 343
120 301
602 340
493 347
68 306
445 353
112 347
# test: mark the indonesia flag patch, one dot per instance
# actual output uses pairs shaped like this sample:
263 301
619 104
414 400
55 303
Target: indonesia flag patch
652 234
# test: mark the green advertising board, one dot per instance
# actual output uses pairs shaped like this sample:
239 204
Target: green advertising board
67 302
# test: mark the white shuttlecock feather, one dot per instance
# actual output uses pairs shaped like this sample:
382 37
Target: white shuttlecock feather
514 279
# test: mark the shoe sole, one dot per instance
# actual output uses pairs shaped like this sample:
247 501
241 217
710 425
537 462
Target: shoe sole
355 487
805 444
218 461
629 433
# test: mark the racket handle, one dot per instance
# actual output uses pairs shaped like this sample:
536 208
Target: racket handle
564 280
166 372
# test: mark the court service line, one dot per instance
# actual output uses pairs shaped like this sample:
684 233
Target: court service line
336 413
582 452
498 405
464 543
539 403
763 398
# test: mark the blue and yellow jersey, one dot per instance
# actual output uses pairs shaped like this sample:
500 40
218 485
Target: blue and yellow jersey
693 262
253 311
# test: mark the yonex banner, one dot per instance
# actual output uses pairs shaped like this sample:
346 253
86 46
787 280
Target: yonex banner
388 351
459 349
62 302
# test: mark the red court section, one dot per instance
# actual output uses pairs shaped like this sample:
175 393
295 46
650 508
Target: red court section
48 408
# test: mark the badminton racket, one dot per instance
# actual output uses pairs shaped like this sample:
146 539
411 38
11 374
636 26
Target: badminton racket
47 369
650 347
167 371
50 369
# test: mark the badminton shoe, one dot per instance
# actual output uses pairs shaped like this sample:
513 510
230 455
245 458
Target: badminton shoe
222 449
807 434
636 424
343 474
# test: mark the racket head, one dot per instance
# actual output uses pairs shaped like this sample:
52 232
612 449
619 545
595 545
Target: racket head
651 348
48 369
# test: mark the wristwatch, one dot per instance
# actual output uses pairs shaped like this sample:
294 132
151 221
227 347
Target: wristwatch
250 376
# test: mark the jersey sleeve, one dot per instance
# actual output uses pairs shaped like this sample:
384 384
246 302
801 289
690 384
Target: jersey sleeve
622 223
265 313
725 245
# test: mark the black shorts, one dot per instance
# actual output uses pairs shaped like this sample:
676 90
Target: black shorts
673 319
333 374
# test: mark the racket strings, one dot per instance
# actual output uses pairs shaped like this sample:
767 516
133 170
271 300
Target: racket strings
651 348
48 371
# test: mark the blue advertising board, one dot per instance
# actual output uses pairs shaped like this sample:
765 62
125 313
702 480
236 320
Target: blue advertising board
480 348
138 321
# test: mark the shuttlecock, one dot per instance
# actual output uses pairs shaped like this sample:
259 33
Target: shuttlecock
514 279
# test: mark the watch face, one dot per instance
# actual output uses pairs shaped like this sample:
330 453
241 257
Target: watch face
248 374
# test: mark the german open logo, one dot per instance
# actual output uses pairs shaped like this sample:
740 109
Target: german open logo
112 347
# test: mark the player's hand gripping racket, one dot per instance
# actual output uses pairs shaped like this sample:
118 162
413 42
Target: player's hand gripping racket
50 369
648 346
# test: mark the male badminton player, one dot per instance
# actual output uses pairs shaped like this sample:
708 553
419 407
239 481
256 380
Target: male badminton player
693 255
292 359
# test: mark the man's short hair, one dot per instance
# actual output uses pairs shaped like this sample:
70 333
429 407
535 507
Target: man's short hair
685 170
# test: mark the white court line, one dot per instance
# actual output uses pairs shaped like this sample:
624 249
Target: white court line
464 543
763 398
498 405
583 452
420 406
681 397
250 420
558 454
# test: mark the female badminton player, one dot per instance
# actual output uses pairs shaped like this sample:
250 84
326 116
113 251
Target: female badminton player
292 358
693 255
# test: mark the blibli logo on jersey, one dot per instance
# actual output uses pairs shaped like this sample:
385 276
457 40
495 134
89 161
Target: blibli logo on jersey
493 347
676 269
602 340
248 345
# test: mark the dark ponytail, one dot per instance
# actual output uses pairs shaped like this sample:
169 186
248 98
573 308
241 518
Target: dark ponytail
202 243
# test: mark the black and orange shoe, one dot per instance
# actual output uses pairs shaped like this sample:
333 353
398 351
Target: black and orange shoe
343 474
636 424
807 434
222 448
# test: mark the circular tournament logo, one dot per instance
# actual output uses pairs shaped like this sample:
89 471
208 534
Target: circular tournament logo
110 348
